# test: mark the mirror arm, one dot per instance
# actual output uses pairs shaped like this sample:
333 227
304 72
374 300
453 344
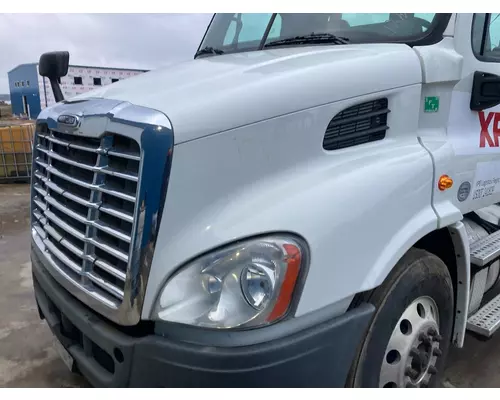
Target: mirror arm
56 89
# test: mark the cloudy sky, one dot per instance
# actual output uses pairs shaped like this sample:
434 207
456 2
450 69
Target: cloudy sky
110 40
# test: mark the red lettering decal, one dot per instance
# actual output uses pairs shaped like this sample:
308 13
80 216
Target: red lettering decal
485 135
496 128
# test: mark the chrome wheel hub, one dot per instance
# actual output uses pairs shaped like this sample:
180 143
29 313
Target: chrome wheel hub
413 349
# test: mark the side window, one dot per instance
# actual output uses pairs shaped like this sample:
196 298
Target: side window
494 31
250 28
486 36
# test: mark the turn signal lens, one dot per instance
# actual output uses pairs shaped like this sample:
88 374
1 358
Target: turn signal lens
445 182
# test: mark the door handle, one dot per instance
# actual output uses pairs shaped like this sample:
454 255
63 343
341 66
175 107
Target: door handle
485 91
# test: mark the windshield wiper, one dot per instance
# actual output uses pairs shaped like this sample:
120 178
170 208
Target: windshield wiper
311 38
208 50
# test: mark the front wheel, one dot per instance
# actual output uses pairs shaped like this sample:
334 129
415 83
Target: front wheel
408 338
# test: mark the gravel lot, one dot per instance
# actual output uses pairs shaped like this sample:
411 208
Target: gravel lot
27 358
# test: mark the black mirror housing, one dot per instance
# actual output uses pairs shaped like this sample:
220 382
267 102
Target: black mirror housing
54 65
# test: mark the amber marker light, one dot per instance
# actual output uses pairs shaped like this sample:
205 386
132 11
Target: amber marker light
445 182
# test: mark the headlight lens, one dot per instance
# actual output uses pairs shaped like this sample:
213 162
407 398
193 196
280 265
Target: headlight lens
247 284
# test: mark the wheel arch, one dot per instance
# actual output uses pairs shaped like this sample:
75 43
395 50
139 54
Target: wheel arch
451 245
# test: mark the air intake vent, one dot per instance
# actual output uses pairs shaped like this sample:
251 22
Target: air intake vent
362 123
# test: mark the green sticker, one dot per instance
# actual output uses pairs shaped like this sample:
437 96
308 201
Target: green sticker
431 104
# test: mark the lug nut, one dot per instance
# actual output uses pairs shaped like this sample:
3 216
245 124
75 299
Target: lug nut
425 359
411 373
424 338
432 370
437 338
432 331
437 352
414 352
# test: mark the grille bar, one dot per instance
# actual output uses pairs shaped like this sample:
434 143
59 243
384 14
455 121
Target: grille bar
66 210
59 239
112 231
110 269
68 178
52 232
83 208
61 256
114 192
40 217
40 204
125 154
117 213
69 144
41 191
106 286
58 157
121 255
105 188
40 231
118 174
63 225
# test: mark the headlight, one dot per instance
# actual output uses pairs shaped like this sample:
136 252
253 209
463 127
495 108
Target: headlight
248 284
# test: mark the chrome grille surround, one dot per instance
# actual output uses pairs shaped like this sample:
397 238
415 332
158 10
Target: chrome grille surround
94 219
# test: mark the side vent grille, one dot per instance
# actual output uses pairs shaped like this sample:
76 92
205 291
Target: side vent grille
362 123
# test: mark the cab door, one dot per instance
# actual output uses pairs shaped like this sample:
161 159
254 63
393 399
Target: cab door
471 155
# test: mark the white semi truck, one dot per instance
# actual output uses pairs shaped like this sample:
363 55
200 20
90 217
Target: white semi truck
310 201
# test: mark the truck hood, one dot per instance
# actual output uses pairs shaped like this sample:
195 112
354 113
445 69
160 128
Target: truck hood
214 94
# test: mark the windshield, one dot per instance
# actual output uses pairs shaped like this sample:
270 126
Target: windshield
229 33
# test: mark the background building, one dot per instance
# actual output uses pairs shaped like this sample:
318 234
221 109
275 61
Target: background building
30 93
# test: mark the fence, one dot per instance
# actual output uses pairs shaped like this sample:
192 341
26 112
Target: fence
16 143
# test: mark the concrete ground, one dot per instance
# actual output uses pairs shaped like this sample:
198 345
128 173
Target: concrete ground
27 358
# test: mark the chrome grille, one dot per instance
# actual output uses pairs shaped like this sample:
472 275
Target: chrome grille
84 195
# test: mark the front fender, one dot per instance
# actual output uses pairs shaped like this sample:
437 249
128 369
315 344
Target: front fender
359 209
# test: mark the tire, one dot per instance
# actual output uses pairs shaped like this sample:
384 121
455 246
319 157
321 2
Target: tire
418 275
